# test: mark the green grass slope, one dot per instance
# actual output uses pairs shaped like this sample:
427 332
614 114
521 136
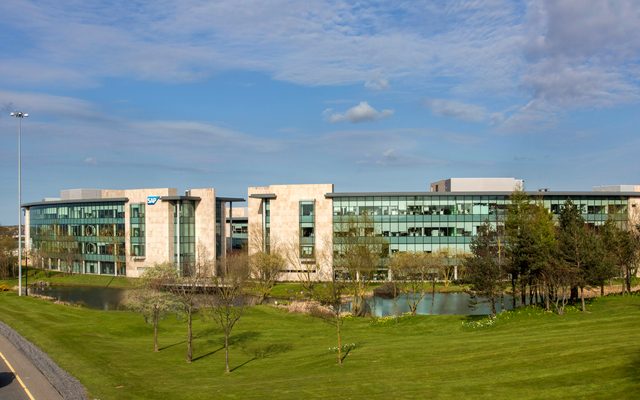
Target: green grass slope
527 354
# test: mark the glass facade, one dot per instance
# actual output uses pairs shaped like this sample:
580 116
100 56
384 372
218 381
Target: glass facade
80 237
432 222
267 225
185 234
240 233
136 229
307 229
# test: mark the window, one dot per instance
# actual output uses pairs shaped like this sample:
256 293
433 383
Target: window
307 228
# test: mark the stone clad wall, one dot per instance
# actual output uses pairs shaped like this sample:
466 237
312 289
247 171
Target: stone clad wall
285 231
205 225
158 228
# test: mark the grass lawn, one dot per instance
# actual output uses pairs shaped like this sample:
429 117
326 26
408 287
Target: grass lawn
526 354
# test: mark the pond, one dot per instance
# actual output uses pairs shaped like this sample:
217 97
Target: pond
99 298
458 303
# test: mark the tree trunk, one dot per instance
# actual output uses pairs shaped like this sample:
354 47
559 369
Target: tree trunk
513 291
189 335
226 352
339 337
523 294
582 298
493 306
433 295
628 279
602 289
155 332
547 297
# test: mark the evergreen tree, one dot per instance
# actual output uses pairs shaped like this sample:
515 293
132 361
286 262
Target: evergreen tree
483 269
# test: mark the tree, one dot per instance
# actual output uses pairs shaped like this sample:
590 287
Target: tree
600 265
151 300
68 252
410 270
623 247
187 288
559 277
306 266
573 245
448 262
329 294
516 240
359 257
265 271
483 269
8 259
227 303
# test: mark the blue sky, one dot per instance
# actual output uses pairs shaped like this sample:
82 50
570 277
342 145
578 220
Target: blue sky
370 95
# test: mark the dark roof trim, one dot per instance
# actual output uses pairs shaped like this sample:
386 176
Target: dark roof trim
506 194
263 196
183 198
231 199
76 201
240 219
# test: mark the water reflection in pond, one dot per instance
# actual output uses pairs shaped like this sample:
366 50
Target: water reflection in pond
459 303
99 298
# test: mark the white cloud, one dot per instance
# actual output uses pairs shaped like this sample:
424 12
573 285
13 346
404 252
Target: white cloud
456 109
360 113
377 84
497 49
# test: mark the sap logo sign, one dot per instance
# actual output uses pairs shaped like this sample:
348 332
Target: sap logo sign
151 200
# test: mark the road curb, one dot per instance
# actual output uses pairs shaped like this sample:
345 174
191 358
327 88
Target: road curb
68 386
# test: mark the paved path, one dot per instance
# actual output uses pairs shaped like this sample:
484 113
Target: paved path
20 379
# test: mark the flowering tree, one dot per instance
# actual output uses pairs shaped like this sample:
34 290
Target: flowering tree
151 300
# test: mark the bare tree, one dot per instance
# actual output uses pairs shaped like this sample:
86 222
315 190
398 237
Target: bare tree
305 266
265 271
67 251
187 289
8 260
559 276
359 257
227 303
330 295
152 300
410 271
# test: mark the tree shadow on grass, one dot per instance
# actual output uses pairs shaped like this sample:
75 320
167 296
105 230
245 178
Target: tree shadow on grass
243 337
234 339
633 371
172 345
264 351
207 354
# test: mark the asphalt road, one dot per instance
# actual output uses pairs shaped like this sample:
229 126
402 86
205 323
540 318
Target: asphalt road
20 379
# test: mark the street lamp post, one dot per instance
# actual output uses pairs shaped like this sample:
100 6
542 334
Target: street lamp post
20 115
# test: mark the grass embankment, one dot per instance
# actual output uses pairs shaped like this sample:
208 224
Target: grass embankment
528 354
62 279
295 291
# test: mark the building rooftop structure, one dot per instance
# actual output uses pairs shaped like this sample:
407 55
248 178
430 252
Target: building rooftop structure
617 188
477 185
